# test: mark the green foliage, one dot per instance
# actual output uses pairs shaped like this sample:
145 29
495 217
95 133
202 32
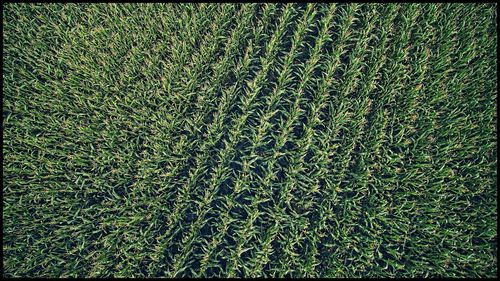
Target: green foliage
249 140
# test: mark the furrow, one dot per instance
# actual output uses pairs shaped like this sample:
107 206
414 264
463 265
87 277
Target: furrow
232 43
351 73
346 18
262 195
342 164
368 83
221 171
294 180
261 257
271 102
278 144
180 207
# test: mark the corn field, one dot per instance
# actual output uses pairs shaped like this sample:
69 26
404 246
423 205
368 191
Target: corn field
249 140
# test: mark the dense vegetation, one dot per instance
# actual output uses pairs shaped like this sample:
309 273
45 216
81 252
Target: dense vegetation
320 140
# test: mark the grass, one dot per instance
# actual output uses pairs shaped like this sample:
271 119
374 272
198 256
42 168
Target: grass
249 140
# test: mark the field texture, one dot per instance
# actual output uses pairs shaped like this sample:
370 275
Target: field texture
249 140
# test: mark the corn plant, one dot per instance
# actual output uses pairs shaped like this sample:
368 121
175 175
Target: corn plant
249 140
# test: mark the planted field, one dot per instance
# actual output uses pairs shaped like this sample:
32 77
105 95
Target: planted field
249 140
